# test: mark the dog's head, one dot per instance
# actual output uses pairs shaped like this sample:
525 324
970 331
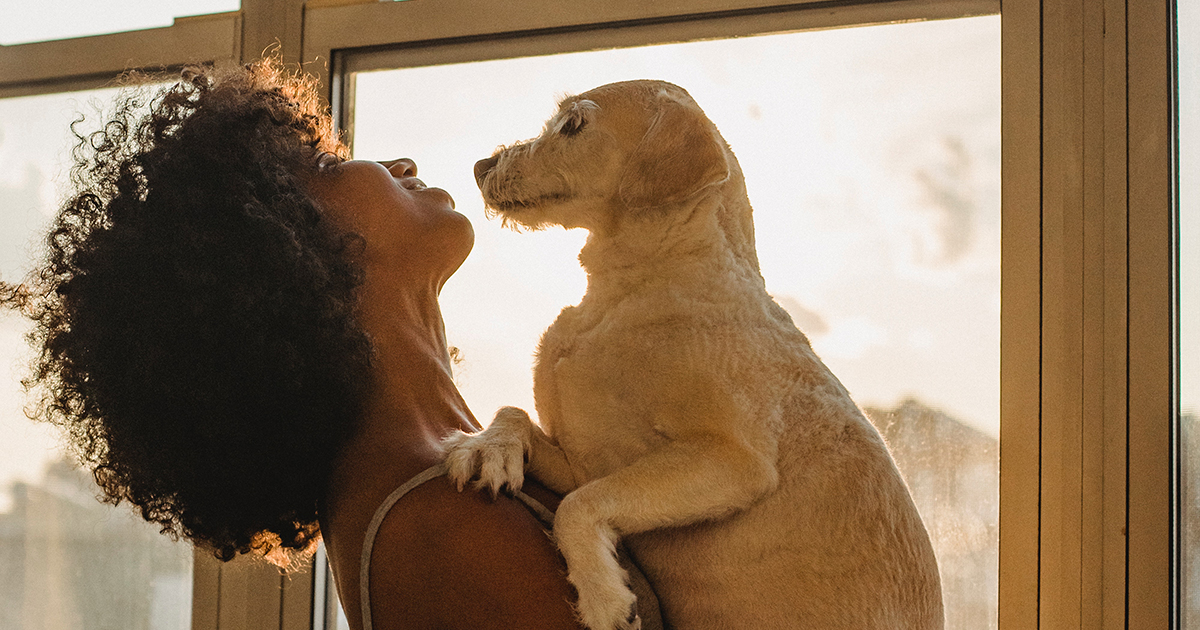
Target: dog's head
619 150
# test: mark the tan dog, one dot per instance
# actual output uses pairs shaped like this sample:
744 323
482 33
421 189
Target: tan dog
680 408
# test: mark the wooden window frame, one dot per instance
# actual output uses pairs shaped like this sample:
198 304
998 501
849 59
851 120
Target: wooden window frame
1088 324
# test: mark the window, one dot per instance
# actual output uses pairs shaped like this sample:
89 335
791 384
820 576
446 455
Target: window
68 560
1188 26
1087 371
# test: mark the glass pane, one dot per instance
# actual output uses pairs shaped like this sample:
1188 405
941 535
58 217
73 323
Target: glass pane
327 610
67 561
1189 301
872 160
28 21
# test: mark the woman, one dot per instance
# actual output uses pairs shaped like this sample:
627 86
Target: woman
240 334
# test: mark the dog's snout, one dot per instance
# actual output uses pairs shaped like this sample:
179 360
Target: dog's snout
482 167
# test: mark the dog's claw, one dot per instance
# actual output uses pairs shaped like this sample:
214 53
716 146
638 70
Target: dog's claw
460 459
633 621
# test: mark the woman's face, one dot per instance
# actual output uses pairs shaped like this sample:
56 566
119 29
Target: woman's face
412 232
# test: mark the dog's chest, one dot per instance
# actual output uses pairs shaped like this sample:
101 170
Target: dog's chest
593 397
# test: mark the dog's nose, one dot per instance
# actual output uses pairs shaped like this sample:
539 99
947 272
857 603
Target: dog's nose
482 167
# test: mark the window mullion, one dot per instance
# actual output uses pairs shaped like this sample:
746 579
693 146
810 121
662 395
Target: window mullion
1020 318
1151 335
272 25
1087 355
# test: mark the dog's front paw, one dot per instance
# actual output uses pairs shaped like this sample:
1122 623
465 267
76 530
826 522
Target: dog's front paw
495 457
589 547
607 607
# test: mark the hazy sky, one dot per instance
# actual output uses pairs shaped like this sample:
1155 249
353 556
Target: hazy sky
33 150
872 161
1189 202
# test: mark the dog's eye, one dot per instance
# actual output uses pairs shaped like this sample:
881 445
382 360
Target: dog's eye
572 125
574 117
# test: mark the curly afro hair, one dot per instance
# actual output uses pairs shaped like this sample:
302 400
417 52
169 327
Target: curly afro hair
195 312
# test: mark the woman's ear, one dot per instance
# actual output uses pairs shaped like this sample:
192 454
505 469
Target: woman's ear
679 156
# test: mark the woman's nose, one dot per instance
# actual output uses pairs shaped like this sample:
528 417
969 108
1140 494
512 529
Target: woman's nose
403 167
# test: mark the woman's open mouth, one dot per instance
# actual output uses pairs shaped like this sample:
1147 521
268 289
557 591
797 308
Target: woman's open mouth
412 183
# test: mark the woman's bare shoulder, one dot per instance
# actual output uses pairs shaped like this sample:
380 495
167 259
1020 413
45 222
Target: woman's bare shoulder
451 559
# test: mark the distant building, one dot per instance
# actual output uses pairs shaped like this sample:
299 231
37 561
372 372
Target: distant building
69 562
1190 464
953 472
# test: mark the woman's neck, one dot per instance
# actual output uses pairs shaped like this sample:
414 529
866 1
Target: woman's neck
414 402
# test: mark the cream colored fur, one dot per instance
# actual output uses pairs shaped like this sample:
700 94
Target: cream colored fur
681 410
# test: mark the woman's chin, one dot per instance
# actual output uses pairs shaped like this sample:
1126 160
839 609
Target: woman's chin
459 243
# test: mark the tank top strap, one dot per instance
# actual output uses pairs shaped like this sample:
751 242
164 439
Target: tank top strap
364 571
542 513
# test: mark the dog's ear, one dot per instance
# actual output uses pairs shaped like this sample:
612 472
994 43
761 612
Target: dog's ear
679 156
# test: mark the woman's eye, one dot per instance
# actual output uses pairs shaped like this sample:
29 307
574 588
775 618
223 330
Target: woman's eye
327 160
